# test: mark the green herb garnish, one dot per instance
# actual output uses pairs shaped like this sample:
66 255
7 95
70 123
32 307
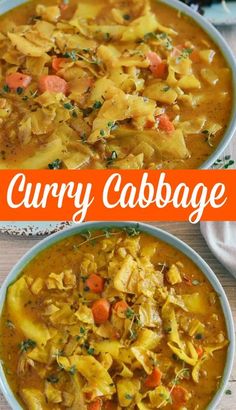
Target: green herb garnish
91 351
10 325
53 379
26 345
57 164
112 158
128 396
126 17
72 371
71 54
228 392
131 231
129 313
19 90
112 125
97 105
5 88
185 54
68 106
107 36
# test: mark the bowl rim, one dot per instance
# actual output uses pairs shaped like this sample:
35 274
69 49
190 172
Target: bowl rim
155 232
227 53
220 42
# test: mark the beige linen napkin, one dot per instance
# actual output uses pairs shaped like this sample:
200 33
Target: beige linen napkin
221 239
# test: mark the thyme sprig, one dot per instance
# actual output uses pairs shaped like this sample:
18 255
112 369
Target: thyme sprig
182 373
107 233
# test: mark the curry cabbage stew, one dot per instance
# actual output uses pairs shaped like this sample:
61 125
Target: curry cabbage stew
109 320
109 84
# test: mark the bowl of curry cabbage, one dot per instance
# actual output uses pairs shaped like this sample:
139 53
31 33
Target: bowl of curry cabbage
214 34
156 233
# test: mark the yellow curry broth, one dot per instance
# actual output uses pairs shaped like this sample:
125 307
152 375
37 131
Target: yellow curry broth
109 124
58 384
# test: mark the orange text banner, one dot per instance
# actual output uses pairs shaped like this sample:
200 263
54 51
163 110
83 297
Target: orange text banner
106 195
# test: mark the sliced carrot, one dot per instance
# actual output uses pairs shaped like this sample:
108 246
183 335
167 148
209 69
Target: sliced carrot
58 62
95 405
200 351
154 379
64 6
165 124
18 80
120 307
179 396
53 83
95 283
157 66
176 52
109 405
150 124
101 311
195 56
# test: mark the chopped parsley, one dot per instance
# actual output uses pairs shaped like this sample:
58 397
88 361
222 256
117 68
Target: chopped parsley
126 17
83 138
5 88
128 396
112 158
19 90
199 336
166 88
112 125
68 106
26 345
163 38
72 371
131 231
185 54
97 105
91 351
228 392
82 330
129 313
53 379
10 325
71 54
107 36
74 114
57 164
102 133
133 334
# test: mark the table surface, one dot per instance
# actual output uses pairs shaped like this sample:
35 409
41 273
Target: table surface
11 249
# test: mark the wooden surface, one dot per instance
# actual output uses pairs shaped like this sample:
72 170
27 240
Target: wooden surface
11 249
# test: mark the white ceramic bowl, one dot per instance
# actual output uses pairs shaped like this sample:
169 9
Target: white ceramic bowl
159 234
